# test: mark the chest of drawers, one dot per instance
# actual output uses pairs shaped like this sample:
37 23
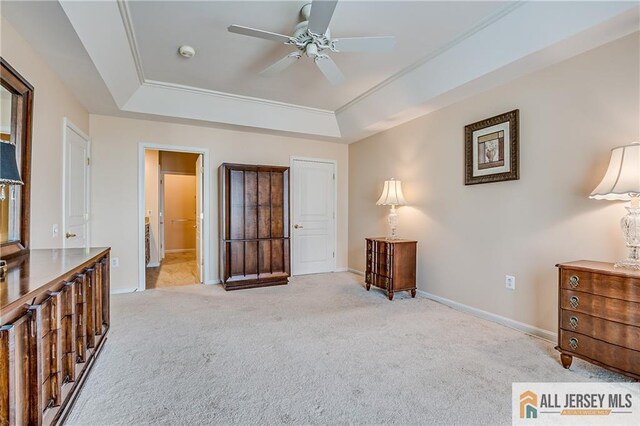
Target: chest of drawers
599 316
391 265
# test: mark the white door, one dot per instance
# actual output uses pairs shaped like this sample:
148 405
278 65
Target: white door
199 215
313 216
76 188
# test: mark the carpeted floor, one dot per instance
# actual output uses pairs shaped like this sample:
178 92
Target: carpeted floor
176 269
321 350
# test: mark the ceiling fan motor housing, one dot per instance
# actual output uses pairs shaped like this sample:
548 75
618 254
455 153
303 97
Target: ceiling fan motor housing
310 44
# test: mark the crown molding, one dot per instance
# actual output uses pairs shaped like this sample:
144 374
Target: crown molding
233 96
125 13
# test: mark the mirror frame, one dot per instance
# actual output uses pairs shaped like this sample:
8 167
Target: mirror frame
22 116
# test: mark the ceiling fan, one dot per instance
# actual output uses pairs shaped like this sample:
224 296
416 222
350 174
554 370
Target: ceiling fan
313 38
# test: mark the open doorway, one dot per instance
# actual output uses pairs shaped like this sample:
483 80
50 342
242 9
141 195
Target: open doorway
173 217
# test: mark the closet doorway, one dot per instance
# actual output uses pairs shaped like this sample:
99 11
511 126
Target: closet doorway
174 207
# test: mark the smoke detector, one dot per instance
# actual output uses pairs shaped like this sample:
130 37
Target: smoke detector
187 51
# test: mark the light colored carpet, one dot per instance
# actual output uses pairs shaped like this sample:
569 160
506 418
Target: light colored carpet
321 350
176 269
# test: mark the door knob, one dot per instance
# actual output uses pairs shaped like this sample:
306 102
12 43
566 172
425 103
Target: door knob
70 235
296 226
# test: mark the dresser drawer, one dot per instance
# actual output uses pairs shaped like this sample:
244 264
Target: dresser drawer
611 355
380 268
618 287
379 247
598 328
599 306
378 280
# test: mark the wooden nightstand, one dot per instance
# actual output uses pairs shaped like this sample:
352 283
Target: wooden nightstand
599 316
391 265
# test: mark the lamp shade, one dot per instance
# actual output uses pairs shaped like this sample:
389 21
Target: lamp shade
622 179
9 174
392 194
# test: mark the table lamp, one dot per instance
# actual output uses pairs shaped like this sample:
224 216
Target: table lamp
9 174
622 182
392 196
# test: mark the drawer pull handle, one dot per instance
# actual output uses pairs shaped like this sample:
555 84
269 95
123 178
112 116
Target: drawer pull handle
573 322
574 280
574 301
573 342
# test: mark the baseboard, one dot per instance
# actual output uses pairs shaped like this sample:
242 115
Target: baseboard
179 250
153 264
124 290
508 322
212 282
355 271
341 270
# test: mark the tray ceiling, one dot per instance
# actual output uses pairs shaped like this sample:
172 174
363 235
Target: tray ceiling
120 57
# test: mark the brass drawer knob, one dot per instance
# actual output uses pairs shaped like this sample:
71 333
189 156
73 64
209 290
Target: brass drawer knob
573 322
574 280
574 301
573 342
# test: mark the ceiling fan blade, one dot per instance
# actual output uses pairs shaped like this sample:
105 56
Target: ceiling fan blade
364 44
329 69
252 32
320 15
281 65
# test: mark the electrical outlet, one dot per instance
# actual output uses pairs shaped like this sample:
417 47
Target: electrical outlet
510 282
115 262
54 230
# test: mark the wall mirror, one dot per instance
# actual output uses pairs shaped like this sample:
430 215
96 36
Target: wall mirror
16 104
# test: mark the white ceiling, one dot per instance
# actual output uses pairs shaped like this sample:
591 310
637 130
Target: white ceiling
119 57
230 63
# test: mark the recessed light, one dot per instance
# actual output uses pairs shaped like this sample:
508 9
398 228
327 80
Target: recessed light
187 51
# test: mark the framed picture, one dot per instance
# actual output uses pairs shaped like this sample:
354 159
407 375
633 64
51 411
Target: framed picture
491 149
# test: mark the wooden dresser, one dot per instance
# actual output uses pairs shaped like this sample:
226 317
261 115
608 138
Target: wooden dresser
599 316
54 317
254 226
391 265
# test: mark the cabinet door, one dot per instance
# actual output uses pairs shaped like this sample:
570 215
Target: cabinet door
21 370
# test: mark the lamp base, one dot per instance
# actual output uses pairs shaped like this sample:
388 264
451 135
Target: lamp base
630 225
393 223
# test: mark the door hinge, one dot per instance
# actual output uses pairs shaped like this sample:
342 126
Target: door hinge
334 254
334 176
88 161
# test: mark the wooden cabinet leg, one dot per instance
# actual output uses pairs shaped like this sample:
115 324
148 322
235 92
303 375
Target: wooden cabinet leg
390 295
566 360
367 286
413 293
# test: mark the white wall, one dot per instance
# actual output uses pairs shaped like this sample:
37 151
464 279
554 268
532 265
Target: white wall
115 173
52 102
469 237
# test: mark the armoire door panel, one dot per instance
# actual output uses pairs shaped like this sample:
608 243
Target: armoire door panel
251 258
264 256
277 255
277 223
235 227
264 222
236 258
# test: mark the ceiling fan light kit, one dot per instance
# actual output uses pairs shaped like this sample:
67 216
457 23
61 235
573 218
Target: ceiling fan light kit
312 37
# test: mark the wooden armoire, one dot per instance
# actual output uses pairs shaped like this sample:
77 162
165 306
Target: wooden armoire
254 226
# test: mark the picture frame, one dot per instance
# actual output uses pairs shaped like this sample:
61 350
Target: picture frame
492 149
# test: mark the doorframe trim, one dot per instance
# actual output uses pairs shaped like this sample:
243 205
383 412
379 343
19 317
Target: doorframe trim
67 124
206 206
334 163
